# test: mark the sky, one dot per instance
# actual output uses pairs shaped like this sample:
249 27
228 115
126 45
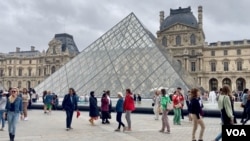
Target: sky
26 23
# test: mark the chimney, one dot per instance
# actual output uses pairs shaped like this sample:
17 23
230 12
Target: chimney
161 17
32 48
17 49
200 16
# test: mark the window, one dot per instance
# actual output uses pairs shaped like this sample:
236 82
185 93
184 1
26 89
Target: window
164 41
1 72
192 39
212 53
238 52
54 50
39 72
30 61
20 71
193 66
239 66
225 66
193 52
9 71
225 52
44 72
178 40
20 61
9 61
53 69
19 84
213 66
30 70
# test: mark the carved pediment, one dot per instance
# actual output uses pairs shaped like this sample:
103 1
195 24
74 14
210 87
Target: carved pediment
179 27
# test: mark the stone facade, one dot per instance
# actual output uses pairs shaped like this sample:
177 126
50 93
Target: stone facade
26 69
211 65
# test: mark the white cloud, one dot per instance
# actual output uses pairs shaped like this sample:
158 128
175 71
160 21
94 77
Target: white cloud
26 23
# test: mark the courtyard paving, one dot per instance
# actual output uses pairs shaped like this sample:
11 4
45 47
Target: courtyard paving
43 127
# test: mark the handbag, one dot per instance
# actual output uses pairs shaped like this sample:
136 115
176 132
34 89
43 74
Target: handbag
159 110
169 106
178 105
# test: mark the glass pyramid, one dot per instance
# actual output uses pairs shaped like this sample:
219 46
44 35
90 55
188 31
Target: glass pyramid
126 56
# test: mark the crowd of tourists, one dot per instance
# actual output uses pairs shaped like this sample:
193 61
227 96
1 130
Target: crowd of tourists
14 105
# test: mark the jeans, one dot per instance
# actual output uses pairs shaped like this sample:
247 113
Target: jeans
12 121
2 120
177 116
69 116
219 136
119 120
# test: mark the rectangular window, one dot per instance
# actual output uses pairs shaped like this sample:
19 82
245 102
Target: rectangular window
239 66
225 52
9 72
225 66
193 66
20 72
1 72
30 72
212 53
30 61
238 52
213 66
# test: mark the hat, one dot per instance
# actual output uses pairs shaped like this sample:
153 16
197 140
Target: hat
120 94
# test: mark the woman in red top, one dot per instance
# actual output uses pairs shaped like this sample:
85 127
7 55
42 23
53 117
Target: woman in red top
178 100
128 107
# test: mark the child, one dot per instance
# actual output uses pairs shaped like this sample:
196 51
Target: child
247 106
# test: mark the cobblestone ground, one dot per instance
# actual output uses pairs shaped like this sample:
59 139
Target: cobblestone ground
43 127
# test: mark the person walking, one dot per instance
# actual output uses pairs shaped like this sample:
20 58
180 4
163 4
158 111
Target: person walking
128 107
14 108
165 99
3 101
105 108
247 110
25 99
119 111
178 100
244 102
70 105
93 108
48 101
156 101
196 111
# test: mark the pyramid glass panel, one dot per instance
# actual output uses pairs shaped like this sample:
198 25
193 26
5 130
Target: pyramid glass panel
126 56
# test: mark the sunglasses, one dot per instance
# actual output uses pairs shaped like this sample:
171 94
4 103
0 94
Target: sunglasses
13 91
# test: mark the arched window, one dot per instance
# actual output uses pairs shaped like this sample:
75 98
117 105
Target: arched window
178 40
164 41
213 84
54 50
240 84
226 81
45 71
53 69
192 39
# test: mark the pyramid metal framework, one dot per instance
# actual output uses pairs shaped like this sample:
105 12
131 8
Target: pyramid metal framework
126 56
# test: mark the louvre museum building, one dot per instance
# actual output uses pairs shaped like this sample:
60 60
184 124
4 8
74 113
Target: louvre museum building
130 56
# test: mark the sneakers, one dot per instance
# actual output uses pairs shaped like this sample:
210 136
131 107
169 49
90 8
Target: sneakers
161 130
117 130
67 129
25 119
1 129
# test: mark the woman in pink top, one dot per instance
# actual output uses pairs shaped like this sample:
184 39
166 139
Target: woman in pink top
128 107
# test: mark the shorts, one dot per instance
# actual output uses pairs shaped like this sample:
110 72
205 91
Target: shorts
49 106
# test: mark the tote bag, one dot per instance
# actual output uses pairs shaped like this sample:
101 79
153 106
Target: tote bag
169 106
